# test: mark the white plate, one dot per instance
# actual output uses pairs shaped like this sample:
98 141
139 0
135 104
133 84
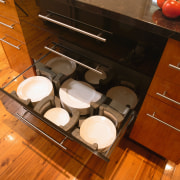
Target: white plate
58 116
98 129
35 88
78 95
122 96
61 65
93 77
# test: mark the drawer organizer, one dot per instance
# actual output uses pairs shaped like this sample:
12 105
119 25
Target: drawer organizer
121 118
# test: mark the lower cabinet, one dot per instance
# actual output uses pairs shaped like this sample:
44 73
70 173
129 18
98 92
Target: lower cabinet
12 39
158 128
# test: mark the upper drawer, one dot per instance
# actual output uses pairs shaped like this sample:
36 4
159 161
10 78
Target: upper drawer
8 9
165 91
11 28
69 14
169 66
90 21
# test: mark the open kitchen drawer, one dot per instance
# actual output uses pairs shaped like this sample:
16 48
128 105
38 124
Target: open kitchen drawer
32 112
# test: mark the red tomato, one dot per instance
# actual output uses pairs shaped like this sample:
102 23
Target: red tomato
160 3
171 8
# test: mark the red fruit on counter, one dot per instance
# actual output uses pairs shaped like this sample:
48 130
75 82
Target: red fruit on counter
171 8
160 3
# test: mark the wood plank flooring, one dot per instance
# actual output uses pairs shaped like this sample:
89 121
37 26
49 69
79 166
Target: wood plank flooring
24 154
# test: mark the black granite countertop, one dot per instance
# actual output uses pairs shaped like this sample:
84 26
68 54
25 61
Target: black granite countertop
144 14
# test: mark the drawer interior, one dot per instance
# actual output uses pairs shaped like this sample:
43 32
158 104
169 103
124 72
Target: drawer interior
102 107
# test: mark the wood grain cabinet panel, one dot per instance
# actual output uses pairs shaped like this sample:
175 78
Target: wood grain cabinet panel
17 54
169 67
160 137
12 38
158 123
11 28
8 9
165 91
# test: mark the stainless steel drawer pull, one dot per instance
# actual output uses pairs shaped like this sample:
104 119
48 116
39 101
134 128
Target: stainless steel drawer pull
84 65
174 67
73 28
153 116
17 47
1 1
42 132
165 97
9 26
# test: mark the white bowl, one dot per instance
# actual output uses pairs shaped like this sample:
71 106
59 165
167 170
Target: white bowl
61 65
77 95
93 77
58 116
98 129
35 88
121 97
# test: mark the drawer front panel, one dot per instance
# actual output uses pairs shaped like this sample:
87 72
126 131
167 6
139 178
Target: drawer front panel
8 9
165 91
161 111
70 11
11 28
70 148
17 53
154 134
169 68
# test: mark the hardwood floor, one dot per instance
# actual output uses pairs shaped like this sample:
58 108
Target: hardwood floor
24 154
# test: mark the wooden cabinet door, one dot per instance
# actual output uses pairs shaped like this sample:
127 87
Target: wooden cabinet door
17 54
8 9
169 67
12 38
11 28
165 91
162 137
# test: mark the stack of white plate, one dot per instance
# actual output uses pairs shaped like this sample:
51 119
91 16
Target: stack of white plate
61 65
94 77
35 88
58 116
121 97
77 95
98 129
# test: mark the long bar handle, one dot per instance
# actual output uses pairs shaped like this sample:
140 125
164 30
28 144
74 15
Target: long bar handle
17 47
153 117
72 28
165 97
60 54
9 26
174 67
1 1
42 132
